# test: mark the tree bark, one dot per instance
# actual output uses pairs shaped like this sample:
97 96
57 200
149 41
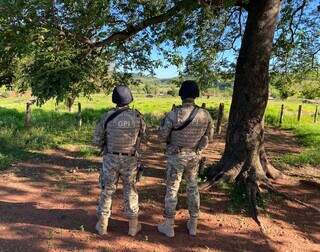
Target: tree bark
244 158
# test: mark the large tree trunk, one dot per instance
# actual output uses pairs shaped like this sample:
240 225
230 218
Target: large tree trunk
244 158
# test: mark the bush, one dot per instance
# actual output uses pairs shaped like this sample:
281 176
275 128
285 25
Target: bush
311 90
173 91
150 89
5 94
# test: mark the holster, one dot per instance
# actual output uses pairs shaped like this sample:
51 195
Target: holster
101 179
140 168
203 143
202 165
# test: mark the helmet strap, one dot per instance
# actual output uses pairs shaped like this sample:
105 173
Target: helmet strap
188 100
122 106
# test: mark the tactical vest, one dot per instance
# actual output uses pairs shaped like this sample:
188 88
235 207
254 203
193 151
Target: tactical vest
122 132
190 136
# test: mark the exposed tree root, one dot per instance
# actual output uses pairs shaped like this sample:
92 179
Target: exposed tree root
227 169
253 174
248 180
269 169
244 173
249 167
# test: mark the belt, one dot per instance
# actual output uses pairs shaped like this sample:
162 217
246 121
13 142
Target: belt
178 150
122 154
182 149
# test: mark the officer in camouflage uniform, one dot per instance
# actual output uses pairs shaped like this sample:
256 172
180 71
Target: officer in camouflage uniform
119 139
184 147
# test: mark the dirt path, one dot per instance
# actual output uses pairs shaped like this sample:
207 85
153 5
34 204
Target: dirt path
48 204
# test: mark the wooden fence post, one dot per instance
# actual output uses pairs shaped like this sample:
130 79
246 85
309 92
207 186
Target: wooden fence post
299 112
79 115
27 118
219 119
315 115
281 115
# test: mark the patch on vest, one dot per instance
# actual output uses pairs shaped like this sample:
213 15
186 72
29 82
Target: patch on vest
124 124
125 121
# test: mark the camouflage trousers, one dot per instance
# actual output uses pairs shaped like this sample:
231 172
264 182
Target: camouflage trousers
186 164
125 167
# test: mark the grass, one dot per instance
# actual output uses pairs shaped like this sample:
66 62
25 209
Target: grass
306 131
88 151
53 126
239 199
308 135
239 202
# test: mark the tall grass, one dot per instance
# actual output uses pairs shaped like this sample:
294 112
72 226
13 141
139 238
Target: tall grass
306 131
53 126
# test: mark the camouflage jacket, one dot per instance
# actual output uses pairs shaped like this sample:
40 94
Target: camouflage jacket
122 134
195 137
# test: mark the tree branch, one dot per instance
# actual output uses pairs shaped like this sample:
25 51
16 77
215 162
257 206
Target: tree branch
133 29
301 9
221 3
313 57
239 34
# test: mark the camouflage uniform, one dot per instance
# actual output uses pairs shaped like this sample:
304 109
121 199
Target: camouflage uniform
120 136
183 154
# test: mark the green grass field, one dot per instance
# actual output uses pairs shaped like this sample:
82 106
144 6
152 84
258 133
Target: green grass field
53 126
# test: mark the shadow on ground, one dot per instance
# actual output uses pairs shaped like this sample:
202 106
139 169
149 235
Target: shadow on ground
48 203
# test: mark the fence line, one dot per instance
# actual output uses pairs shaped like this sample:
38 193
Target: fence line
299 112
28 115
219 121
281 115
219 118
27 118
79 115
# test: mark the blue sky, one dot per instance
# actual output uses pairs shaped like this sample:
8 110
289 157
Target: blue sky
168 72
171 71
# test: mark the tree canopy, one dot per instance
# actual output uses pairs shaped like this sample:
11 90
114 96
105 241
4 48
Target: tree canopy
61 48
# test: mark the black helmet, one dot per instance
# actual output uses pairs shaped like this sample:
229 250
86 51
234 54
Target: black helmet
189 89
122 95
